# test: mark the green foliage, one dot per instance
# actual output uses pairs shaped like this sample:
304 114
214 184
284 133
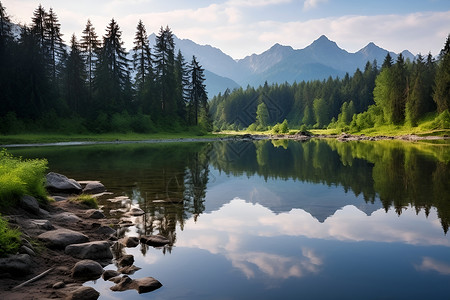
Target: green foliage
320 112
281 128
87 200
9 238
442 121
20 177
262 115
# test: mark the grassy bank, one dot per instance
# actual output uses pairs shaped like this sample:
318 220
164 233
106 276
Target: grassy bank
105 137
20 177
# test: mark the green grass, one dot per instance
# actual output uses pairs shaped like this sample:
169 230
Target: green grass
20 177
105 137
87 200
9 238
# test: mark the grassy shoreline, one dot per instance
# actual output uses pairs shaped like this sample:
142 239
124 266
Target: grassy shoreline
48 138
37 138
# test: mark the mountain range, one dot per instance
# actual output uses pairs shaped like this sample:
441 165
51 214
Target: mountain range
279 64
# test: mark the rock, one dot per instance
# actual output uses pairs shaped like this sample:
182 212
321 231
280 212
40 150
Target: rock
16 265
136 211
94 214
154 240
61 238
130 241
147 284
41 224
59 198
60 183
126 260
108 274
66 217
87 269
44 213
142 285
84 293
25 250
93 187
106 230
30 204
92 250
59 285
128 269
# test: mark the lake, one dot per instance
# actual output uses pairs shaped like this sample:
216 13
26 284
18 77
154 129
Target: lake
278 219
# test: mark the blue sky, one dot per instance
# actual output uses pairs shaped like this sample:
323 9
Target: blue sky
240 27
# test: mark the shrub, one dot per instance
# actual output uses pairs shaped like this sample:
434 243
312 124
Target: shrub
87 200
19 177
9 238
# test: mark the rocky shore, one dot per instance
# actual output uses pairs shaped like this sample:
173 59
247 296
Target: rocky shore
65 244
343 137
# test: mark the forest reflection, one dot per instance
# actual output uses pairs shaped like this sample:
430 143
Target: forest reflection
399 174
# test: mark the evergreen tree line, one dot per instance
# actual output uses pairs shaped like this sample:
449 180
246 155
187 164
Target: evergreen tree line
399 93
92 85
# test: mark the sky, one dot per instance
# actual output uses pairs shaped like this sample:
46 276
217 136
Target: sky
243 27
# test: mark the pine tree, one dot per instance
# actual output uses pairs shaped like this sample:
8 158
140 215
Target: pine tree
6 66
442 80
399 91
143 67
198 101
75 90
55 44
38 27
165 71
5 26
182 85
112 77
142 61
89 48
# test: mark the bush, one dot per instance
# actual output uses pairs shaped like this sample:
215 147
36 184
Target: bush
281 128
20 177
9 238
87 200
442 121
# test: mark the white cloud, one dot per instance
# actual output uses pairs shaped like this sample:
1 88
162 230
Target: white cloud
430 264
310 4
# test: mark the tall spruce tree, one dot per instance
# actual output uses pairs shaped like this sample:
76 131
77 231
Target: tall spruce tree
55 44
198 100
6 66
75 89
182 85
90 46
112 76
164 59
442 80
143 67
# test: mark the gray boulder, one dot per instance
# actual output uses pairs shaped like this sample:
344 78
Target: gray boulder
130 241
87 269
128 269
16 265
93 187
61 238
94 214
154 240
61 184
92 250
66 217
84 293
108 274
142 285
126 260
30 204
106 230
40 224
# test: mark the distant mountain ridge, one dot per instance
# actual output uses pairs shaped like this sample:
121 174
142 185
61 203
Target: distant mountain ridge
280 63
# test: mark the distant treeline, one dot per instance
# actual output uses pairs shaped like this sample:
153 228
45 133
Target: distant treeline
400 93
92 85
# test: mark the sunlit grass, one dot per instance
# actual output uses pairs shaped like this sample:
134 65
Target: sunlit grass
20 177
104 137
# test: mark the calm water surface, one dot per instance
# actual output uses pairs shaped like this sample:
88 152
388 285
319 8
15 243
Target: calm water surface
278 219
